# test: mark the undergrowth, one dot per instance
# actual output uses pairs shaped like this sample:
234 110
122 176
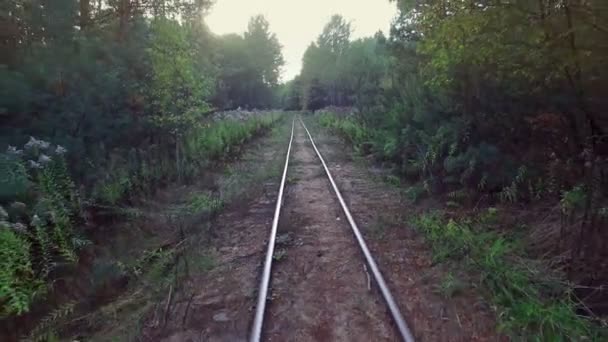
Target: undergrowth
164 270
37 227
531 303
348 128
42 211
203 143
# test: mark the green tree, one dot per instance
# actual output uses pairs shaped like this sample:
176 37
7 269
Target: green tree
250 67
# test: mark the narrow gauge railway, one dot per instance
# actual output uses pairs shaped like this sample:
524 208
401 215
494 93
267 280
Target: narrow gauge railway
263 290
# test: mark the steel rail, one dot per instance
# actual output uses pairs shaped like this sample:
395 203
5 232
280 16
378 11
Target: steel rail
258 321
405 332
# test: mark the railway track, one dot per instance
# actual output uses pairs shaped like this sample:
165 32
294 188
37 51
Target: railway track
258 323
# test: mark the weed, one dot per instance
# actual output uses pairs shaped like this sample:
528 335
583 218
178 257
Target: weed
348 128
520 292
204 263
46 330
204 202
379 227
292 179
572 199
452 204
450 286
280 254
392 180
415 192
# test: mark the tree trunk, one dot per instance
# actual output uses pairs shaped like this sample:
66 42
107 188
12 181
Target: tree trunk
576 80
85 14
124 13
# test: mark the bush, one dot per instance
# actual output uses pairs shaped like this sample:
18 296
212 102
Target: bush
351 130
38 233
19 285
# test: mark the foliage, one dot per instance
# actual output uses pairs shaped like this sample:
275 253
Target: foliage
37 234
501 101
339 72
528 302
128 87
348 128
204 202
18 284
14 182
250 67
45 331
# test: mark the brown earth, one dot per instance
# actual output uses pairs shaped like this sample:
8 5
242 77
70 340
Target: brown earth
320 289
320 286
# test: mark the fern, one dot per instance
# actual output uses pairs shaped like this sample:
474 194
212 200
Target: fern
509 193
572 199
13 177
18 284
46 330
43 240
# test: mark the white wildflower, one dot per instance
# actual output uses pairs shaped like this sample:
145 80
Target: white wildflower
34 165
43 144
33 142
13 150
19 227
60 150
43 159
36 221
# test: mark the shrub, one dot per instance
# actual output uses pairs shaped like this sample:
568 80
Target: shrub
19 285
29 250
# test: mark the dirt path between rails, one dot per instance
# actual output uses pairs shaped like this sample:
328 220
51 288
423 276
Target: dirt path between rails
320 288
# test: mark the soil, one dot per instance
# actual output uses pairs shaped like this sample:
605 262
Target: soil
320 289
320 286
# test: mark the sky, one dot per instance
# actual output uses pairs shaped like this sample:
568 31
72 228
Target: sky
299 22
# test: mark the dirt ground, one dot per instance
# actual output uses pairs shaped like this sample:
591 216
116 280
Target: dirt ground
320 286
320 289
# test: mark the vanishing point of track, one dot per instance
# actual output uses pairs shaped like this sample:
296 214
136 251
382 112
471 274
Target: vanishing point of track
258 322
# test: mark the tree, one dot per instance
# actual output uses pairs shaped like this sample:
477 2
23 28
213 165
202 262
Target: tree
316 96
250 67
264 50
291 93
322 59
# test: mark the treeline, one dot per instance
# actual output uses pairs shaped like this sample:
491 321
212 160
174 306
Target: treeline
483 102
103 77
339 72
103 101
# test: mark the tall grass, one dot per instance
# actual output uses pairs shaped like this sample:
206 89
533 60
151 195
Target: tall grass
349 128
144 170
532 305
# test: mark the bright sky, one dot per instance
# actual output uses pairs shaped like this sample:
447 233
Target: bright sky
299 22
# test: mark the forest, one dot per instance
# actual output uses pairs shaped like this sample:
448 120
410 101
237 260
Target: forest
481 104
484 104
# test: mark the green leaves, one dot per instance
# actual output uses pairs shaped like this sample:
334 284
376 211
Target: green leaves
18 284
515 286
249 67
340 72
177 84
14 180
